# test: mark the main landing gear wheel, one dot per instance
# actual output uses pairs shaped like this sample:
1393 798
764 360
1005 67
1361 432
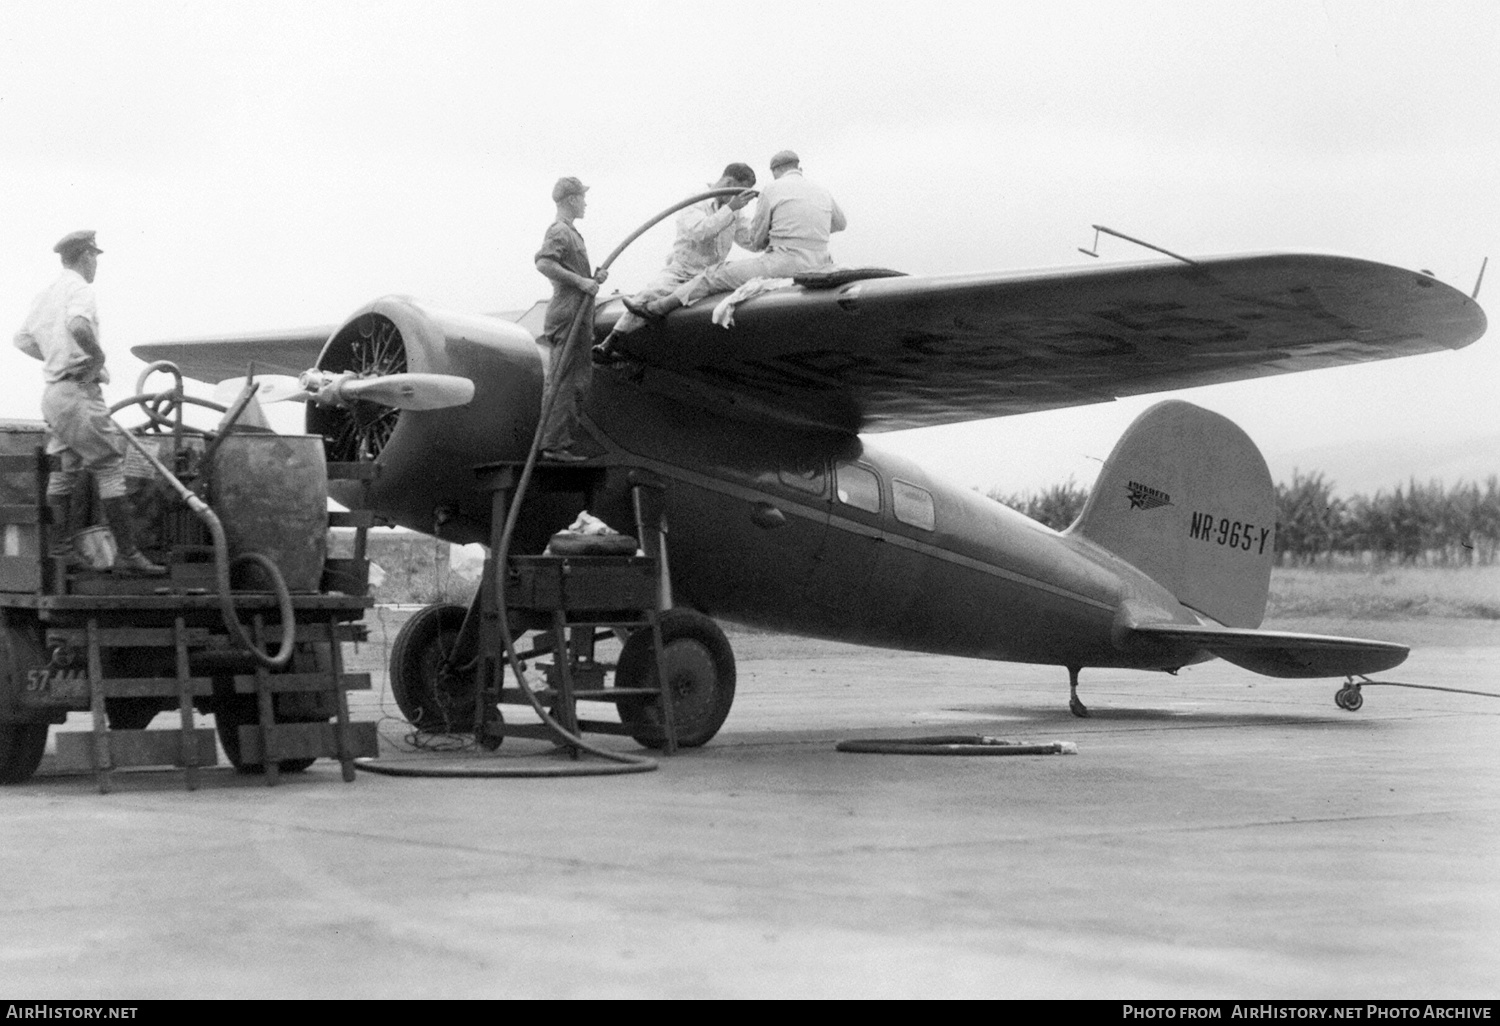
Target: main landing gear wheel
21 746
698 666
433 699
1349 697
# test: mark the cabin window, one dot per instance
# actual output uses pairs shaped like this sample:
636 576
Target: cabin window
806 477
858 487
913 505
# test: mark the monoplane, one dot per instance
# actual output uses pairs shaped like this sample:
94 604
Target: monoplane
780 510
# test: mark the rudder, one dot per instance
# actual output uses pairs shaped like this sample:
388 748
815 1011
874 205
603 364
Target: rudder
1186 498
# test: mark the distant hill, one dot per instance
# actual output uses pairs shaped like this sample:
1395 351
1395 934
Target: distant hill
1367 467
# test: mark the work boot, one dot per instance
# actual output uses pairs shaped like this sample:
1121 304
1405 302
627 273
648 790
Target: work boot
651 311
62 531
137 563
130 559
66 523
607 354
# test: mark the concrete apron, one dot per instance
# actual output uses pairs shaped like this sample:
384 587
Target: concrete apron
1219 835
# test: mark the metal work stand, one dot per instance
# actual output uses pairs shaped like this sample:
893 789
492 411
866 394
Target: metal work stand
574 601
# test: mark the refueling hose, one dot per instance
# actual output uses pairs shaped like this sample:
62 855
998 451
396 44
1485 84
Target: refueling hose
956 744
623 762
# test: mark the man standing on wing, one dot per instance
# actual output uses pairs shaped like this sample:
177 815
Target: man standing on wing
569 324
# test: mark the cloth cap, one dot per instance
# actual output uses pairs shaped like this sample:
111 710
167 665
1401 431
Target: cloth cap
740 173
76 242
783 158
568 186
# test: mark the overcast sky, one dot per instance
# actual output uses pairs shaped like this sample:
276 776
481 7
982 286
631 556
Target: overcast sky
266 165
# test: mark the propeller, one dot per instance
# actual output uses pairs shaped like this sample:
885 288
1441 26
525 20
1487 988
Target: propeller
326 388
403 391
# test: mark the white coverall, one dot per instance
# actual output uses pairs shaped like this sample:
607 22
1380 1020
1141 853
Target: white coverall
793 221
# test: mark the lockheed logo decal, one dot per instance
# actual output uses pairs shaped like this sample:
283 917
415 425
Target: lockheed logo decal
1145 497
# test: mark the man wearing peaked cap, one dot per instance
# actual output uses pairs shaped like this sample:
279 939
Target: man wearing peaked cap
74 242
568 328
62 331
566 187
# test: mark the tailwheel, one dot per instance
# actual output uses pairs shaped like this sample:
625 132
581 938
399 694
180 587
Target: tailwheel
698 668
1349 697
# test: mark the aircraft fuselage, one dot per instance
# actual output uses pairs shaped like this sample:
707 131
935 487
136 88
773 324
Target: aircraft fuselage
823 535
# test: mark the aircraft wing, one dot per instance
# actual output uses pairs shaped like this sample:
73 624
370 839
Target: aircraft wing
1281 653
903 352
291 351
214 359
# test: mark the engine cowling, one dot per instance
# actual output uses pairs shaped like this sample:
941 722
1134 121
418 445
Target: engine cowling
427 457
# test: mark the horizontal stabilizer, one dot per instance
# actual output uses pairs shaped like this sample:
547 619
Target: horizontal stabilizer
1282 653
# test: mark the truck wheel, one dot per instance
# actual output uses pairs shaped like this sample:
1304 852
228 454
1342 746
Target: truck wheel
233 711
432 700
21 746
131 713
698 666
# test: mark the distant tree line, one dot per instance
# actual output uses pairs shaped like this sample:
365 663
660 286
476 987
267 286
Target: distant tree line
1413 524
1057 506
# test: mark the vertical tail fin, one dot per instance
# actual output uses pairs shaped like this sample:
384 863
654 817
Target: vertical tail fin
1186 498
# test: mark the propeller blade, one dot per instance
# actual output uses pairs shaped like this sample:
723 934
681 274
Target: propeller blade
409 391
269 388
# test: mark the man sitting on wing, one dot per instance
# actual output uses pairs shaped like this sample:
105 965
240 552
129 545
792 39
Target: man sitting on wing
705 232
793 221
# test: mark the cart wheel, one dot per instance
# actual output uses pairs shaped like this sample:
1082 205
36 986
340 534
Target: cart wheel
21 746
1349 697
231 712
433 701
697 664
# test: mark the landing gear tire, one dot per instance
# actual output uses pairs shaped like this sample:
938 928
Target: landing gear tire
1349 697
21 746
433 700
1077 708
698 667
